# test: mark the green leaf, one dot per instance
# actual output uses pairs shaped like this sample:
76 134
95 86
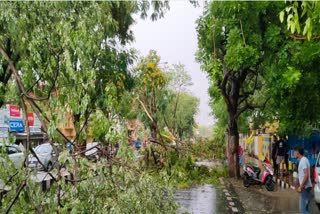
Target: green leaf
290 16
307 26
281 15
288 9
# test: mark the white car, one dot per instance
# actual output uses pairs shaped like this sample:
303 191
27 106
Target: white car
317 181
14 153
91 148
46 155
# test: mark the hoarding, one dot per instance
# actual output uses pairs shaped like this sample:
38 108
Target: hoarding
14 111
16 126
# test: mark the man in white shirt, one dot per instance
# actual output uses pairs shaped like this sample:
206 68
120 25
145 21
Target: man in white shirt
304 180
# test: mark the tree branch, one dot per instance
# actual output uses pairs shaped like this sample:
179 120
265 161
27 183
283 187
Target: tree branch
302 38
222 87
249 106
145 109
245 95
22 185
244 41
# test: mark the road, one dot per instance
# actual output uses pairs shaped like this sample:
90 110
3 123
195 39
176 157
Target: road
256 199
205 199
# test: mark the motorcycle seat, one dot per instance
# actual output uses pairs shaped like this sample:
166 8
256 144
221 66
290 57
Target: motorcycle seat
256 169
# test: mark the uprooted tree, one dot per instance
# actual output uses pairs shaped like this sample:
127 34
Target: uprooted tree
71 56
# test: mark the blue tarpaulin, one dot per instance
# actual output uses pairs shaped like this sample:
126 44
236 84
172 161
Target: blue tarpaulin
310 144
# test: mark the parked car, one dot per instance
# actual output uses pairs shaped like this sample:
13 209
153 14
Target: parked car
46 155
317 181
14 153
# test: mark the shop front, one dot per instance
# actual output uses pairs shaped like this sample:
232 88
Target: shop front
13 129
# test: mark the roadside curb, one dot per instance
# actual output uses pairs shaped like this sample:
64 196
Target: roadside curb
284 185
230 199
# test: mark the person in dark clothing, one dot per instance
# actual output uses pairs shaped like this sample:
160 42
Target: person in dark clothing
274 154
286 155
282 150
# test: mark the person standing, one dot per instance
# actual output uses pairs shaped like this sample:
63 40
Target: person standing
305 184
274 154
240 153
281 151
286 155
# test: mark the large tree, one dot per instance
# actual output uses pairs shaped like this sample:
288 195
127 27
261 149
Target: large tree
151 91
182 108
179 80
232 37
179 116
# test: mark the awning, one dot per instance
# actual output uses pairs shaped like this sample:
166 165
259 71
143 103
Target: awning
33 136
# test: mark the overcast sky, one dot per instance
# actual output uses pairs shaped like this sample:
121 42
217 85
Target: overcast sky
174 38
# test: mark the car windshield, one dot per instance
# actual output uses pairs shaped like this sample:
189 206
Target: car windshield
44 148
9 149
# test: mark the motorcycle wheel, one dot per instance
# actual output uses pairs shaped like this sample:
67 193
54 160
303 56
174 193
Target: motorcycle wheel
270 184
246 182
318 204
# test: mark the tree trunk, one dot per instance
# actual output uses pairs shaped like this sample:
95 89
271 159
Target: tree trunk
154 129
232 148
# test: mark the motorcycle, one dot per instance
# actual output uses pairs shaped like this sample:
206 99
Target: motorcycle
251 176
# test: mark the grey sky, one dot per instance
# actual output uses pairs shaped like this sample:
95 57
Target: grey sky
174 38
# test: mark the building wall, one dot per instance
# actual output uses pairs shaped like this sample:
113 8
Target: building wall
266 146
261 146
67 127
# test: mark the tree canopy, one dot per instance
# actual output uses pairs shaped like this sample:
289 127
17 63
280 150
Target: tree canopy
233 40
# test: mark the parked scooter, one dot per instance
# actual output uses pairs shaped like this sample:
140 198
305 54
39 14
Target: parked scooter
251 176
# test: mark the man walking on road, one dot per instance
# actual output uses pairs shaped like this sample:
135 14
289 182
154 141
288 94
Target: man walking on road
304 180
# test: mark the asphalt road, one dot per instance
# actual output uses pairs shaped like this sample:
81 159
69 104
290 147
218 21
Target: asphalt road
256 199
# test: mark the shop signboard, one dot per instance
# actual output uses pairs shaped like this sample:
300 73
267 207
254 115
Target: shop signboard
30 119
35 129
14 111
16 125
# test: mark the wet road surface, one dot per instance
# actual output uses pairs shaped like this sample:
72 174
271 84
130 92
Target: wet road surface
256 199
204 199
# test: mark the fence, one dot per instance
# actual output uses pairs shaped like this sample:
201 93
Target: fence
310 144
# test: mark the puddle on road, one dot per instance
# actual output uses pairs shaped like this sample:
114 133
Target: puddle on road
199 200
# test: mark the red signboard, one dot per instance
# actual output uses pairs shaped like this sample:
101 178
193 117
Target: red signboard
30 119
14 111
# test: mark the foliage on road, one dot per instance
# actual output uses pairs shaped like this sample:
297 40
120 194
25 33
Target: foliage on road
71 57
